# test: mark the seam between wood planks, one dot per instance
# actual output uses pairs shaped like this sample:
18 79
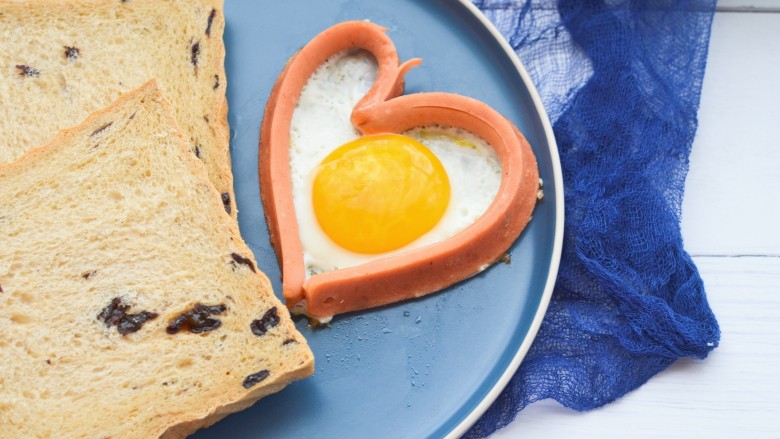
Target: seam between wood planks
736 255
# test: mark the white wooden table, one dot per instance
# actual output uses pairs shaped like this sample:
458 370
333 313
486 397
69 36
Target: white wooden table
731 227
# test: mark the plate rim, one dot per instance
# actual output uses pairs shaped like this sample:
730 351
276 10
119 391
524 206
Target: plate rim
552 274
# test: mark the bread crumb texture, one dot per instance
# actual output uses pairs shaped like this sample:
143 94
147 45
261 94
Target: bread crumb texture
130 305
62 60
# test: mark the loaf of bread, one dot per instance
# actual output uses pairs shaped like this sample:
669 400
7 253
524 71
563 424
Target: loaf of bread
130 307
62 60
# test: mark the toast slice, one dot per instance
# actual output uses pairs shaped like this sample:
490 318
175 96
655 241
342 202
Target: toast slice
129 304
62 60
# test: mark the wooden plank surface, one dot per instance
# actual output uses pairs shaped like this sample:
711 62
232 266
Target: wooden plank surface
729 221
749 5
732 196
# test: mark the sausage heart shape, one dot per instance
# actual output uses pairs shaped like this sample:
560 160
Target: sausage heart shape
385 110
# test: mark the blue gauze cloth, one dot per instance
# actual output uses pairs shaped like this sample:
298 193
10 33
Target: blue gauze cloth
621 81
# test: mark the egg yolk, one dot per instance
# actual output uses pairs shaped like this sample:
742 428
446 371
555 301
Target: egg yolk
379 193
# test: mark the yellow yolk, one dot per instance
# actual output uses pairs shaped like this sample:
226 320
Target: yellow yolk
379 193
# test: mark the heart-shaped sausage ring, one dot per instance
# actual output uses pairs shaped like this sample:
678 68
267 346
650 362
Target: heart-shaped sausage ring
385 110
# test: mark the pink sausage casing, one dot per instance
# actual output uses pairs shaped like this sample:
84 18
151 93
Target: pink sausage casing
383 109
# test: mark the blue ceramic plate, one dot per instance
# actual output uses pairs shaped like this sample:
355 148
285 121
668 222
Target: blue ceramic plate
423 368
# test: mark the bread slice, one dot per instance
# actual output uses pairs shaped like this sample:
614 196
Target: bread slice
61 60
130 305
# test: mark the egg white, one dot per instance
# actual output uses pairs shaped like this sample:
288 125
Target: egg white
320 124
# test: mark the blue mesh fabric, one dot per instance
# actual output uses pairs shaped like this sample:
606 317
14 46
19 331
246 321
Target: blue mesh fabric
621 81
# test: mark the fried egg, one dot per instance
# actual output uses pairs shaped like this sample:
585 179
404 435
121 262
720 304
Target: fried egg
361 198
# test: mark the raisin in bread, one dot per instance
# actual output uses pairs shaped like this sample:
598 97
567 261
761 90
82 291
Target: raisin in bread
61 60
129 304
